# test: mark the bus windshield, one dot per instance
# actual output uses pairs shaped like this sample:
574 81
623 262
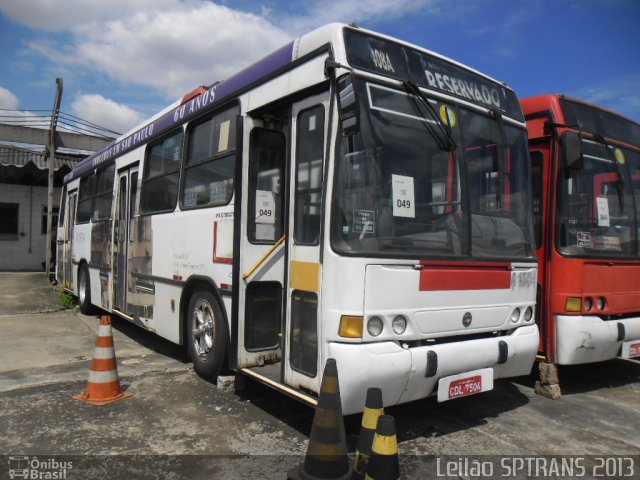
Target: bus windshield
401 191
600 202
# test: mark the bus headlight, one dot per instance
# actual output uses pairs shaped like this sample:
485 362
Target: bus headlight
601 303
399 325
528 313
587 303
515 315
374 326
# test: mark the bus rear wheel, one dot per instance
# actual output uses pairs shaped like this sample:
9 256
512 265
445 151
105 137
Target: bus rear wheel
84 291
207 335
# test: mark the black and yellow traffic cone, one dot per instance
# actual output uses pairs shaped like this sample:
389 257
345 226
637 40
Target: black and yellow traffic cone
372 411
384 464
326 457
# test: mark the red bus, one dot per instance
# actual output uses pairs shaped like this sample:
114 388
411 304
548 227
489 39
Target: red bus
586 197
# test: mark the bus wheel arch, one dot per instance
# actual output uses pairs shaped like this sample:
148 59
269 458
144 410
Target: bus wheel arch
205 331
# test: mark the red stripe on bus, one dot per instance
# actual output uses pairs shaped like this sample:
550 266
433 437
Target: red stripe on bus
441 279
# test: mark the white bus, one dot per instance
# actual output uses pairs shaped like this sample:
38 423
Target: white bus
349 196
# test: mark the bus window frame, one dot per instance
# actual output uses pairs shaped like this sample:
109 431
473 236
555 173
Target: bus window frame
253 173
299 226
229 153
94 194
145 179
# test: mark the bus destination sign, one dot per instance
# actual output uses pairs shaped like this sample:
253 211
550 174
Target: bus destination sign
403 63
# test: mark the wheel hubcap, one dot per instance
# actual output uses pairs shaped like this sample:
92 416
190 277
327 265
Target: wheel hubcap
203 330
83 287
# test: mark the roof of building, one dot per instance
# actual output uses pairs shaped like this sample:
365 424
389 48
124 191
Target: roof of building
30 167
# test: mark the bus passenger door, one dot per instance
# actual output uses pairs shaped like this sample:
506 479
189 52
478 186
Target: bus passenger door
309 120
542 195
125 203
64 240
262 242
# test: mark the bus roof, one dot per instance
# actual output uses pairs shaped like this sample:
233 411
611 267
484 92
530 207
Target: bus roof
585 116
539 103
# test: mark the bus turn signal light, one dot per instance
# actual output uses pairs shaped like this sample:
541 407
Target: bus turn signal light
574 304
351 326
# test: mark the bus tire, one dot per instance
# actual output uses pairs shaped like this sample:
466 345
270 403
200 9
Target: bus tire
206 334
84 291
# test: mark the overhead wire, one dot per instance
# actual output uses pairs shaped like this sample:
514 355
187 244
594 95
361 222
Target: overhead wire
67 121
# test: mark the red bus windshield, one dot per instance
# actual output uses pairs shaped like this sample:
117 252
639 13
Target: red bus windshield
599 202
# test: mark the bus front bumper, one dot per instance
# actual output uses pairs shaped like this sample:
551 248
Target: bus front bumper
586 339
401 373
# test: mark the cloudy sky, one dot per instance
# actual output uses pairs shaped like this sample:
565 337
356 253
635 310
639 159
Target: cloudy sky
124 60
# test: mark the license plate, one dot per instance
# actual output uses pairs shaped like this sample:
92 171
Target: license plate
631 349
465 384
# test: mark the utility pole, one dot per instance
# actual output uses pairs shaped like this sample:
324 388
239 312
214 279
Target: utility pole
55 112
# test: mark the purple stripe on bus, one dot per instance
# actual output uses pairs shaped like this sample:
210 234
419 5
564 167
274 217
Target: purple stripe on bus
271 63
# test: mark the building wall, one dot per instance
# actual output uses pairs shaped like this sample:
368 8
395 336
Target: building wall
26 250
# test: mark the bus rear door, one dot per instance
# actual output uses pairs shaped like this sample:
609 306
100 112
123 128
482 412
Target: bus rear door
127 181
65 239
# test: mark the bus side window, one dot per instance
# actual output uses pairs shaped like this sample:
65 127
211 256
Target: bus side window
85 198
104 193
159 190
210 161
266 180
309 155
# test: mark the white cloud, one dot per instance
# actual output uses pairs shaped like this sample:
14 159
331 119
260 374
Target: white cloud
175 45
105 112
172 50
71 15
8 100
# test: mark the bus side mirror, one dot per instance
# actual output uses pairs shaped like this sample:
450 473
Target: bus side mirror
572 150
347 106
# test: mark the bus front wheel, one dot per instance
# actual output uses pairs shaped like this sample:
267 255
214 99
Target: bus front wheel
207 335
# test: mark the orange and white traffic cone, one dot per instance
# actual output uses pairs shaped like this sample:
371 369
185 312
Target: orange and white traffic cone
103 385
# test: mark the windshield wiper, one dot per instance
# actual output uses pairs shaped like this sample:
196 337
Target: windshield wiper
600 139
620 183
502 157
442 135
